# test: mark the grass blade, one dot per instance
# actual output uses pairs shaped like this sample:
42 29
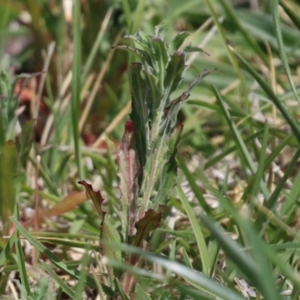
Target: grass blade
55 260
268 90
240 143
61 283
76 84
257 271
274 10
202 248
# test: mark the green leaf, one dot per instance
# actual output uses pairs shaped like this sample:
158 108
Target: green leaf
173 74
194 186
274 10
172 110
22 265
202 248
140 111
291 13
270 202
110 233
76 84
56 260
6 254
256 266
160 57
120 290
250 40
199 280
167 177
178 40
268 90
156 160
61 283
8 168
26 140
239 141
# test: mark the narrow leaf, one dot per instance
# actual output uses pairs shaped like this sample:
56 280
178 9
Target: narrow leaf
178 40
8 167
54 259
174 72
167 177
268 90
26 140
274 10
62 284
128 174
110 234
139 114
202 248
96 197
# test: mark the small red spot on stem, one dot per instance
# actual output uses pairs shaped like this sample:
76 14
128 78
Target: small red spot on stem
129 126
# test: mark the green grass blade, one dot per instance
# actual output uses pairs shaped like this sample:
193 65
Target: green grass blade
212 161
127 12
22 264
93 53
239 141
76 84
202 248
202 282
199 280
274 10
293 16
141 293
225 43
264 278
6 254
81 282
255 270
8 168
279 187
61 283
240 28
193 184
276 151
138 16
54 259
258 178
268 90
120 290
194 293
244 263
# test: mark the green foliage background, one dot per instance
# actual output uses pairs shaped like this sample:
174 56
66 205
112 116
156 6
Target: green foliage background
233 231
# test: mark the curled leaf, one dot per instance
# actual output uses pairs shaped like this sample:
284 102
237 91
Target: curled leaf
148 223
96 197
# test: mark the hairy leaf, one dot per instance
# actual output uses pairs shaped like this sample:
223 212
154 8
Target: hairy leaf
128 174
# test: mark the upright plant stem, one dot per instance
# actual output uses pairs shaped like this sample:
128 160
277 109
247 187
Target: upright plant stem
75 103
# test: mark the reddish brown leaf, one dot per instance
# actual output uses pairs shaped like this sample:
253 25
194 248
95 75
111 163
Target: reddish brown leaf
128 174
96 197
144 226
66 204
